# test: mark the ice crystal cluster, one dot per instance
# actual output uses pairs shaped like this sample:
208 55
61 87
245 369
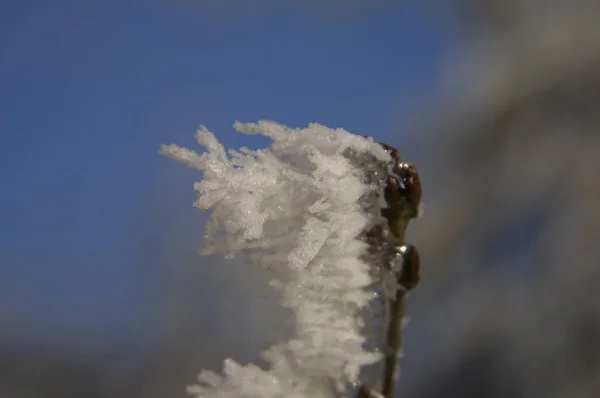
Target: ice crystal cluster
297 208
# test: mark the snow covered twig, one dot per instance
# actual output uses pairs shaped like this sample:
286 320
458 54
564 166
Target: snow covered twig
297 207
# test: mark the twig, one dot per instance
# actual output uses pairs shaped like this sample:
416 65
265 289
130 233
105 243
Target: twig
403 196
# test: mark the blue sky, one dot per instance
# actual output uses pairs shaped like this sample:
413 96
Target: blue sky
88 92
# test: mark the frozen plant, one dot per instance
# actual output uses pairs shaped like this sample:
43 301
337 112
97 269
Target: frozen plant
296 207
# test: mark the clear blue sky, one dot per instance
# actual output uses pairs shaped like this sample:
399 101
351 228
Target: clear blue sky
90 89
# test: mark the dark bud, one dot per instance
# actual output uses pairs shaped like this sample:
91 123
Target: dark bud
403 188
411 183
408 277
403 185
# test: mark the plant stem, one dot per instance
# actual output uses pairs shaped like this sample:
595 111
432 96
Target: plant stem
398 223
394 343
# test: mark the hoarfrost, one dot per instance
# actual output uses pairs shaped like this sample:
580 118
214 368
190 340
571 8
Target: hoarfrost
296 207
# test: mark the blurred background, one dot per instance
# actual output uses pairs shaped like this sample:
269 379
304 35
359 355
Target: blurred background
102 293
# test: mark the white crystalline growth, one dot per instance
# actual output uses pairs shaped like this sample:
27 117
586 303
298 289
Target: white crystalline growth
296 207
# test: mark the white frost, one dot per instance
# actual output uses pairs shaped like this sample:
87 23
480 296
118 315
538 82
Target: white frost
296 208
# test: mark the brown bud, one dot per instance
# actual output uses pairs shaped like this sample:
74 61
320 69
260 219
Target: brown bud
411 183
408 277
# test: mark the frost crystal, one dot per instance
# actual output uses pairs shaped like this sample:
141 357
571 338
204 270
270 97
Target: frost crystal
297 207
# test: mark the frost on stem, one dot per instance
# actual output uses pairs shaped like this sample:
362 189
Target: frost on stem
296 207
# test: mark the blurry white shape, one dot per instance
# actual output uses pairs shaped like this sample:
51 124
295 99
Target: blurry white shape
297 208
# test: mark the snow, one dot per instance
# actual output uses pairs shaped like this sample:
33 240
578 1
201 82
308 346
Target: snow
297 207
